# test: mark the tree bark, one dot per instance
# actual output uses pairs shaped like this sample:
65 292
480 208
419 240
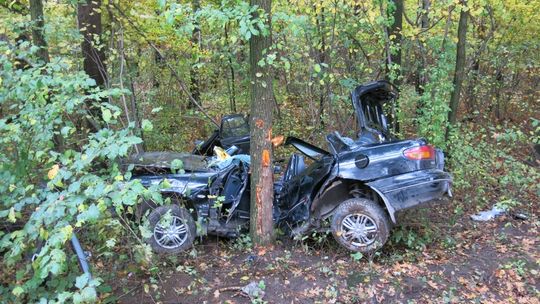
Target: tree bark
232 81
262 192
421 64
395 36
322 56
36 15
89 23
459 73
193 72
38 39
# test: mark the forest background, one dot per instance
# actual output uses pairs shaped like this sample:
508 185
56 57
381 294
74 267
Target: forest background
83 85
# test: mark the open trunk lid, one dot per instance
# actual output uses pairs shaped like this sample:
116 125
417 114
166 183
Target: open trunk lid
374 108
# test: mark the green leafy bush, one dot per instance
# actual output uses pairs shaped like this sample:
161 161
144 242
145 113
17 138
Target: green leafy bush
433 116
47 189
487 167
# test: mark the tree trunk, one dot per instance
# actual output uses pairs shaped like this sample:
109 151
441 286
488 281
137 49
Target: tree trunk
232 81
322 57
193 72
36 15
89 23
38 39
393 65
395 36
421 64
459 72
262 192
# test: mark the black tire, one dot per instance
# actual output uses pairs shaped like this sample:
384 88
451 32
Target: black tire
368 216
179 241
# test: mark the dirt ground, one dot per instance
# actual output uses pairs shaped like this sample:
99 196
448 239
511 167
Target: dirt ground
464 262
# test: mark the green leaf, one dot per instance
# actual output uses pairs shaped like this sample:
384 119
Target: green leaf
17 291
87 295
11 216
177 165
147 125
287 65
90 214
317 68
107 115
165 184
81 281
357 256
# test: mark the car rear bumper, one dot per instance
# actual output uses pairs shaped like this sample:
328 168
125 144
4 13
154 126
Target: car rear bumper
412 189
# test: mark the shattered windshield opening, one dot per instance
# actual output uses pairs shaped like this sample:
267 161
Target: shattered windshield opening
235 126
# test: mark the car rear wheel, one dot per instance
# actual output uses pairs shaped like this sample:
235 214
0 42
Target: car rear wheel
360 225
173 229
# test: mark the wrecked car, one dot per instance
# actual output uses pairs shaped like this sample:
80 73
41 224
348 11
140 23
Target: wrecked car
360 185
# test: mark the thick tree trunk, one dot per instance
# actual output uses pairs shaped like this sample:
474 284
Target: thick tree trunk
89 24
89 19
459 72
36 14
262 192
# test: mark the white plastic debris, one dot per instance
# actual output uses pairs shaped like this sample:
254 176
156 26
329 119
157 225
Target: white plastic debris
220 164
488 215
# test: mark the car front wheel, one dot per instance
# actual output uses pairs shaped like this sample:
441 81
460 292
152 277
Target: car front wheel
173 229
360 225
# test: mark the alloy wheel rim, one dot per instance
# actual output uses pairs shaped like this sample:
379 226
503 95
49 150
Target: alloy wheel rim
172 236
359 230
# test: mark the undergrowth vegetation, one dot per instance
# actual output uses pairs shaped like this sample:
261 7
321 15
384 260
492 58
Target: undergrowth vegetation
55 181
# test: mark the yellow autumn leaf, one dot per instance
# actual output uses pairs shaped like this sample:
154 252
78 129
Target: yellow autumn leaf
53 172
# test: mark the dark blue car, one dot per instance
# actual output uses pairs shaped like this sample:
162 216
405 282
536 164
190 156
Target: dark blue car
360 185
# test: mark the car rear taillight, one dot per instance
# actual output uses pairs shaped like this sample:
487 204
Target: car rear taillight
420 153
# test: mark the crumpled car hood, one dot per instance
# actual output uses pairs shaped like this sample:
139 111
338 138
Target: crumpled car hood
163 160
179 183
